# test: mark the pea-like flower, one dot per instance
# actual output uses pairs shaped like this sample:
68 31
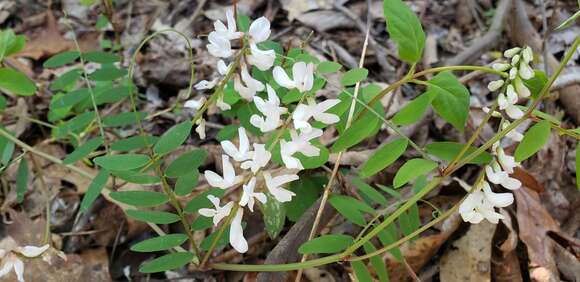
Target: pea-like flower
241 153
229 178
299 143
250 85
481 203
249 197
318 112
218 213
237 239
259 158
274 186
11 258
270 109
302 74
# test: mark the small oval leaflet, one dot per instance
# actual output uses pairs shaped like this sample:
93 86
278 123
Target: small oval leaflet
326 244
167 262
122 162
140 198
412 169
157 217
160 243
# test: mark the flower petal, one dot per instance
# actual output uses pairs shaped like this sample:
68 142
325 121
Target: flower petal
259 30
237 239
282 78
33 251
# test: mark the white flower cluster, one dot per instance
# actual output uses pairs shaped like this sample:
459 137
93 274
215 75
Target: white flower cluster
255 157
518 70
481 203
11 258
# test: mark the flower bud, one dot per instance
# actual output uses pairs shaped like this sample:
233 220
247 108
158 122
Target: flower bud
495 85
512 52
521 89
512 96
513 73
515 60
527 54
502 101
526 71
501 66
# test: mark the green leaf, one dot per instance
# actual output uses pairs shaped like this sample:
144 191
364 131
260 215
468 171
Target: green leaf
361 272
536 83
186 183
15 82
328 67
227 133
70 99
160 243
140 198
452 99
6 150
187 163
166 262
74 124
21 180
353 76
201 223
134 143
383 157
351 208
307 190
122 162
108 73
157 217
68 79
123 119
61 59
377 262
101 57
316 161
578 166
447 151
405 29
415 109
389 236
534 139
326 244
569 21
359 131
137 177
83 150
274 216
371 193
173 138
223 240
412 169
94 190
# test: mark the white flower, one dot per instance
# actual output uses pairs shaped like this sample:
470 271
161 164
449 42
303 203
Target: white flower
480 205
514 112
512 96
262 59
221 104
515 60
204 84
247 91
501 66
248 195
11 259
228 180
494 114
222 67
303 113
302 74
527 54
228 32
508 163
496 175
219 46
243 152
218 213
270 109
237 239
512 134
525 71
194 104
200 129
512 52
273 184
299 143
260 158
513 73
259 30
521 88
495 85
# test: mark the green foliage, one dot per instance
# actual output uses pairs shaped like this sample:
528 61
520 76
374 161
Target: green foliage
351 208
383 157
274 216
16 83
160 243
326 244
405 29
83 150
307 190
186 163
328 67
534 139
370 193
101 57
412 169
10 43
122 162
140 198
447 151
536 83
21 180
185 183
167 262
94 190
377 263
158 217
415 109
353 76
201 201
61 59
361 272
134 143
173 138
452 99
123 119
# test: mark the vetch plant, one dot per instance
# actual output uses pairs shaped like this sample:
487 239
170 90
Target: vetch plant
275 144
